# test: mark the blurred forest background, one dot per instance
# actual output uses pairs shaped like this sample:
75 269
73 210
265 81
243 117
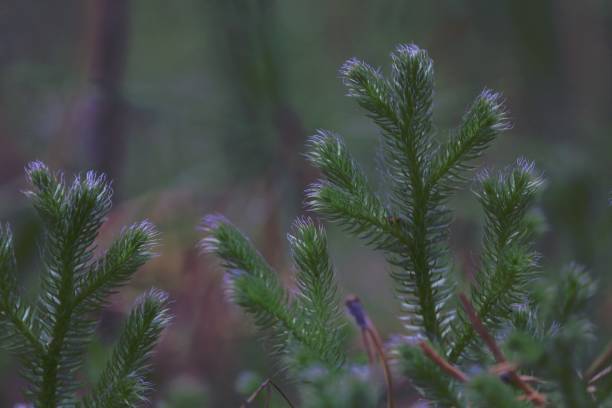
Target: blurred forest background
199 106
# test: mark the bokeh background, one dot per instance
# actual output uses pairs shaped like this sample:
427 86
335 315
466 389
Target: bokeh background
199 106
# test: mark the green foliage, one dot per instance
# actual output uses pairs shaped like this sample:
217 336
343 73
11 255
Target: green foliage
429 379
305 330
412 227
348 388
508 262
122 381
513 321
345 196
317 296
185 392
541 327
50 338
489 391
561 355
567 294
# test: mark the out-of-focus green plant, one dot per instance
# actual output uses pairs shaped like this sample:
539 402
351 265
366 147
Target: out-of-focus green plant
351 387
511 323
51 336
184 392
304 331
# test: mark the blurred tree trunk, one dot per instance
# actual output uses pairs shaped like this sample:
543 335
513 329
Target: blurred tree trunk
100 115
543 104
10 157
252 58
585 43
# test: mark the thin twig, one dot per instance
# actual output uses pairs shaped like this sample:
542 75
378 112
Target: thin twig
268 397
266 386
600 375
599 363
256 393
367 346
480 328
282 394
385 365
531 394
369 332
503 368
507 367
442 363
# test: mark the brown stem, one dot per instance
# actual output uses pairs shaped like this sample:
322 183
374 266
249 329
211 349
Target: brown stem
268 397
256 393
266 386
369 332
599 363
600 375
442 363
367 346
282 394
385 364
480 328
531 394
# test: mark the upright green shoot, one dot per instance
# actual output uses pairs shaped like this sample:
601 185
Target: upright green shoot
50 338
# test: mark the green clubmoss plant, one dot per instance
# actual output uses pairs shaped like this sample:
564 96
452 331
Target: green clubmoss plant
512 337
50 337
304 328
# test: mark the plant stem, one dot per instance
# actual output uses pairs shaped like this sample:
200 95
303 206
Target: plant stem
599 363
442 363
530 393
266 386
369 332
